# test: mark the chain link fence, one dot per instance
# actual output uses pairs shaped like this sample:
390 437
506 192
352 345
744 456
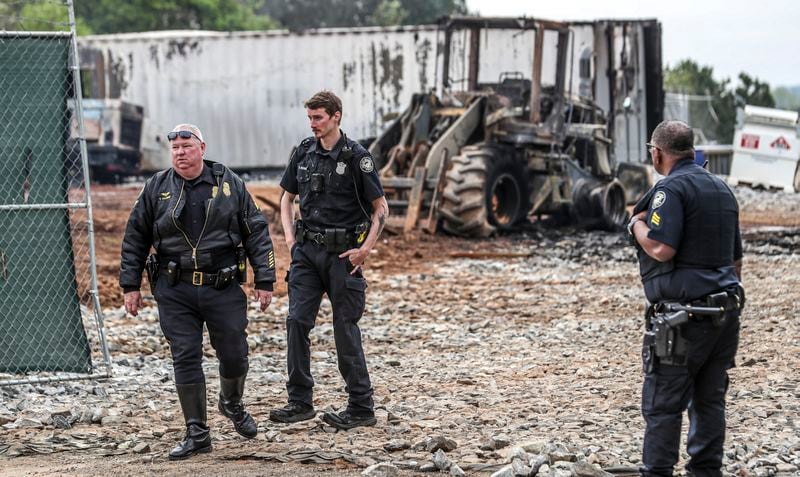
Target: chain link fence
695 110
51 323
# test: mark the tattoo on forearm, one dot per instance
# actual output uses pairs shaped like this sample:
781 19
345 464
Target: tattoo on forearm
381 221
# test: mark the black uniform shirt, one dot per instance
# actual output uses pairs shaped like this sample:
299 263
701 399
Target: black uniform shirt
348 178
695 213
198 193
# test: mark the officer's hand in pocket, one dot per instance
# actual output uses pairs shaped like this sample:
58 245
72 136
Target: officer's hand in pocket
264 298
356 256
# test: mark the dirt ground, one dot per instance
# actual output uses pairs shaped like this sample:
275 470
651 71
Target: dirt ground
112 206
529 337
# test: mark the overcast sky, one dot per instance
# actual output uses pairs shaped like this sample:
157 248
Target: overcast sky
760 37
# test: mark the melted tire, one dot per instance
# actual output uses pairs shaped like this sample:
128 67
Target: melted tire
483 193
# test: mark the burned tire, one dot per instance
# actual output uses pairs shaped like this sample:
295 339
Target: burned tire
485 191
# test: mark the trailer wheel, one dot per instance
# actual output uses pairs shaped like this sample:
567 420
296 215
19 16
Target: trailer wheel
485 192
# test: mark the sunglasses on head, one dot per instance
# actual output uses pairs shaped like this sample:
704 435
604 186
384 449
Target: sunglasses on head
181 134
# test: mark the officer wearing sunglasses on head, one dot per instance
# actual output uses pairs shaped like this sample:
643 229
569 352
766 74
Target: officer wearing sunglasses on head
203 225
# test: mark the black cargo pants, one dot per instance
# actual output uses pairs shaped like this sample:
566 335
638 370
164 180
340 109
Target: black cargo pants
183 309
699 386
315 271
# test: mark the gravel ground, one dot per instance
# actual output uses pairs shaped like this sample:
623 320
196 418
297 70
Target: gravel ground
528 357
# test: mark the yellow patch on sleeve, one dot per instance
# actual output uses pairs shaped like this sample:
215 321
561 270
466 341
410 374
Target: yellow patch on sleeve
655 219
271 259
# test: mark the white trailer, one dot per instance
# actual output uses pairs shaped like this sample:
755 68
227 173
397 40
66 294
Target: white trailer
766 149
246 89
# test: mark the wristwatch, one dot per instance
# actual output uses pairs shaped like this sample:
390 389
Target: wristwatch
631 224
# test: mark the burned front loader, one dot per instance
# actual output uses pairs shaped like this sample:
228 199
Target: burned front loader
485 159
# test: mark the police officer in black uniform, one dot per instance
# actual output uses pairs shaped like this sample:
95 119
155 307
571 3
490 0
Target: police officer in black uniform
342 209
202 223
686 230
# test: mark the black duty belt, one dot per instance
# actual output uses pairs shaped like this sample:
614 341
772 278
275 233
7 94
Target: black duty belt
198 278
728 300
346 240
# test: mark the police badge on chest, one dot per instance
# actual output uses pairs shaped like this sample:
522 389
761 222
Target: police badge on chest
341 167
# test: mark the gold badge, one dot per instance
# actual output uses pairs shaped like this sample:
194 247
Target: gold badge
214 191
271 259
226 189
165 196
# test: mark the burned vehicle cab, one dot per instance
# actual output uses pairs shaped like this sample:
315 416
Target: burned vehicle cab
113 131
488 153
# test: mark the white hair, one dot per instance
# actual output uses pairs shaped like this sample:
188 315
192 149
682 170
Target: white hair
191 128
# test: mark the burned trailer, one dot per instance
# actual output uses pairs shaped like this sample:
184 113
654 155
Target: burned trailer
486 153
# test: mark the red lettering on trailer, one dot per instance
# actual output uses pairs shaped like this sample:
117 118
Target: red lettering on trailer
750 141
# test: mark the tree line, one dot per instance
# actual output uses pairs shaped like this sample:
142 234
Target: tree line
688 77
114 16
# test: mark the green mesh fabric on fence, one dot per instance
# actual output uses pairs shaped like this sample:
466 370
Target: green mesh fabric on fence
41 327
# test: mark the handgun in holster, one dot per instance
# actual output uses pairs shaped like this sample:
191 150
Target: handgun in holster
670 347
173 272
151 268
241 265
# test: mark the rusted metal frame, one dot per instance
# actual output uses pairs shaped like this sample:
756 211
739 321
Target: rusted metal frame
536 75
474 57
433 213
448 37
561 73
415 200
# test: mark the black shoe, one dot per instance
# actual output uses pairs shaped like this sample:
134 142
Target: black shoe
345 420
198 438
293 412
197 441
231 406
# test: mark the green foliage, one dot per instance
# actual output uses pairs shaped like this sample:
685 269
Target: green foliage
389 12
113 16
305 14
690 78
39 16
785 98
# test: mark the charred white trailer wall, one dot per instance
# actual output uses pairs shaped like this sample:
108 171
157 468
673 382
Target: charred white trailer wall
246 89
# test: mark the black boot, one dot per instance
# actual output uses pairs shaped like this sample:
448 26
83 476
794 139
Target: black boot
198 438
232 407
347 420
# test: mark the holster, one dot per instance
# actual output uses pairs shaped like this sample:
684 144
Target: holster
362 230
151 267
668 343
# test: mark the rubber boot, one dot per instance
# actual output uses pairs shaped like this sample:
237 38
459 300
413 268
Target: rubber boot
231 406
198 437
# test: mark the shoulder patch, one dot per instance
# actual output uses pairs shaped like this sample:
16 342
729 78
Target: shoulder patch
658 199
366 164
